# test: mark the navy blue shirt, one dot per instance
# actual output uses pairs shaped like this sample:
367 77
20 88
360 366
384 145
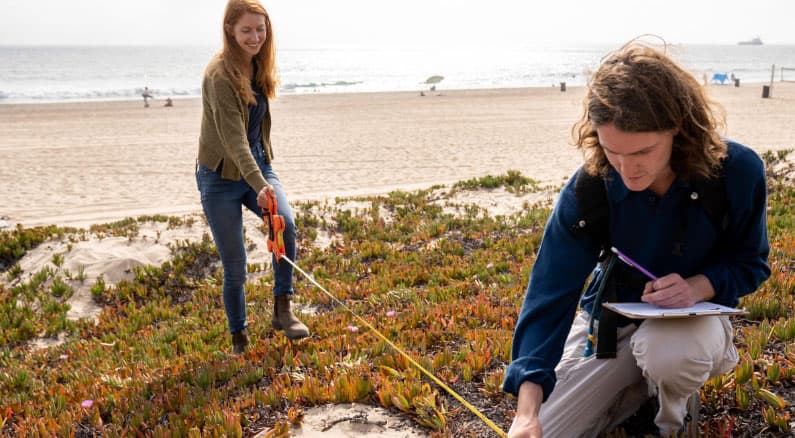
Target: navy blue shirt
642 225
256 114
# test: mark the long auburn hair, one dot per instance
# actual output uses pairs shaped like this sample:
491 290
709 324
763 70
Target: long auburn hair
232 54
641 89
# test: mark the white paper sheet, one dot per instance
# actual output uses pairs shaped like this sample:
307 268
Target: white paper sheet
646 310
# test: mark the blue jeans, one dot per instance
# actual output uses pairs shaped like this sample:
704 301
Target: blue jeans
222 200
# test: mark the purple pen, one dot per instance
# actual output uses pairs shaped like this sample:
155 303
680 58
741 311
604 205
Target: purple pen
623 257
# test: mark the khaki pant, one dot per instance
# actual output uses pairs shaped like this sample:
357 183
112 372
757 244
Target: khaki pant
670 357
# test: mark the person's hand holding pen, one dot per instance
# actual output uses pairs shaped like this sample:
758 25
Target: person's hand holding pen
671 291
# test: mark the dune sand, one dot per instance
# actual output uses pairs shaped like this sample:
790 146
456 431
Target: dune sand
81 163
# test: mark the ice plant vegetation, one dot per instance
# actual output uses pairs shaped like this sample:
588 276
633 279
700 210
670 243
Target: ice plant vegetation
442 280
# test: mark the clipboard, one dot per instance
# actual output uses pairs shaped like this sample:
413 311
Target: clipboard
651 311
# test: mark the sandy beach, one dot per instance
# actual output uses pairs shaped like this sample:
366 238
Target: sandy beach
81 163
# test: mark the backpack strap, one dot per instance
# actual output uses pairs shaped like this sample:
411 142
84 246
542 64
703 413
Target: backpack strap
607 334
594 221
594 208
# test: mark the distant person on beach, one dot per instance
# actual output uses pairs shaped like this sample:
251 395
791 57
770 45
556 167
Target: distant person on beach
234 167
654 170
147 95
169 102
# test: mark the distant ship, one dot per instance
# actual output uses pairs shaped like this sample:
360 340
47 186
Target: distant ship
753 42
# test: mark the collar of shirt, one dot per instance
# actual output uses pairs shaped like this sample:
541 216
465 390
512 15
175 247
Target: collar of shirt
617 191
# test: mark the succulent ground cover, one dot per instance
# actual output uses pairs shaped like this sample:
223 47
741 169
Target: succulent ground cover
442 280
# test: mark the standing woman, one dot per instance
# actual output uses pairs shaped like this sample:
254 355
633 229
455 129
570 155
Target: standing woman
234 162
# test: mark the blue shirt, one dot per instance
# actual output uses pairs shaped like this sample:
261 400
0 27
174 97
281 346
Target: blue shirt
642 225
256 114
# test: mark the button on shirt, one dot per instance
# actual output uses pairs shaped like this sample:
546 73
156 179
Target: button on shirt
642 225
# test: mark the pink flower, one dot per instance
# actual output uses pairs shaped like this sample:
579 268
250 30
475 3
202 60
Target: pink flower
63 357
87 403
390 314
353 328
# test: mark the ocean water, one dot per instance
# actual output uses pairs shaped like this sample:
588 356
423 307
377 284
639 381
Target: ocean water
55 74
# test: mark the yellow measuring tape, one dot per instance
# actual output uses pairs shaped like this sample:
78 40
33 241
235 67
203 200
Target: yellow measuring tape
430 375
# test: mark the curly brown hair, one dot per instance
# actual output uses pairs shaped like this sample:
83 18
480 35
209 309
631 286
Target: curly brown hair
641 89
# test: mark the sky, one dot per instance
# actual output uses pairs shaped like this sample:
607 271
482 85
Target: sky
323 23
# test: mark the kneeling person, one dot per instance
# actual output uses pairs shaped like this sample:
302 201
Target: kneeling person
649 136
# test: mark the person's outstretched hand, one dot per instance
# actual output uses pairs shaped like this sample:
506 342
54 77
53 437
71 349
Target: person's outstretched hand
526 423
525 427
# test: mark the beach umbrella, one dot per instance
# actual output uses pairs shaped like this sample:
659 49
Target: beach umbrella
435 79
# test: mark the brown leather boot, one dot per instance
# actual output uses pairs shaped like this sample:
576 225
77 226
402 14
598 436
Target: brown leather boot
239 341
283 319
